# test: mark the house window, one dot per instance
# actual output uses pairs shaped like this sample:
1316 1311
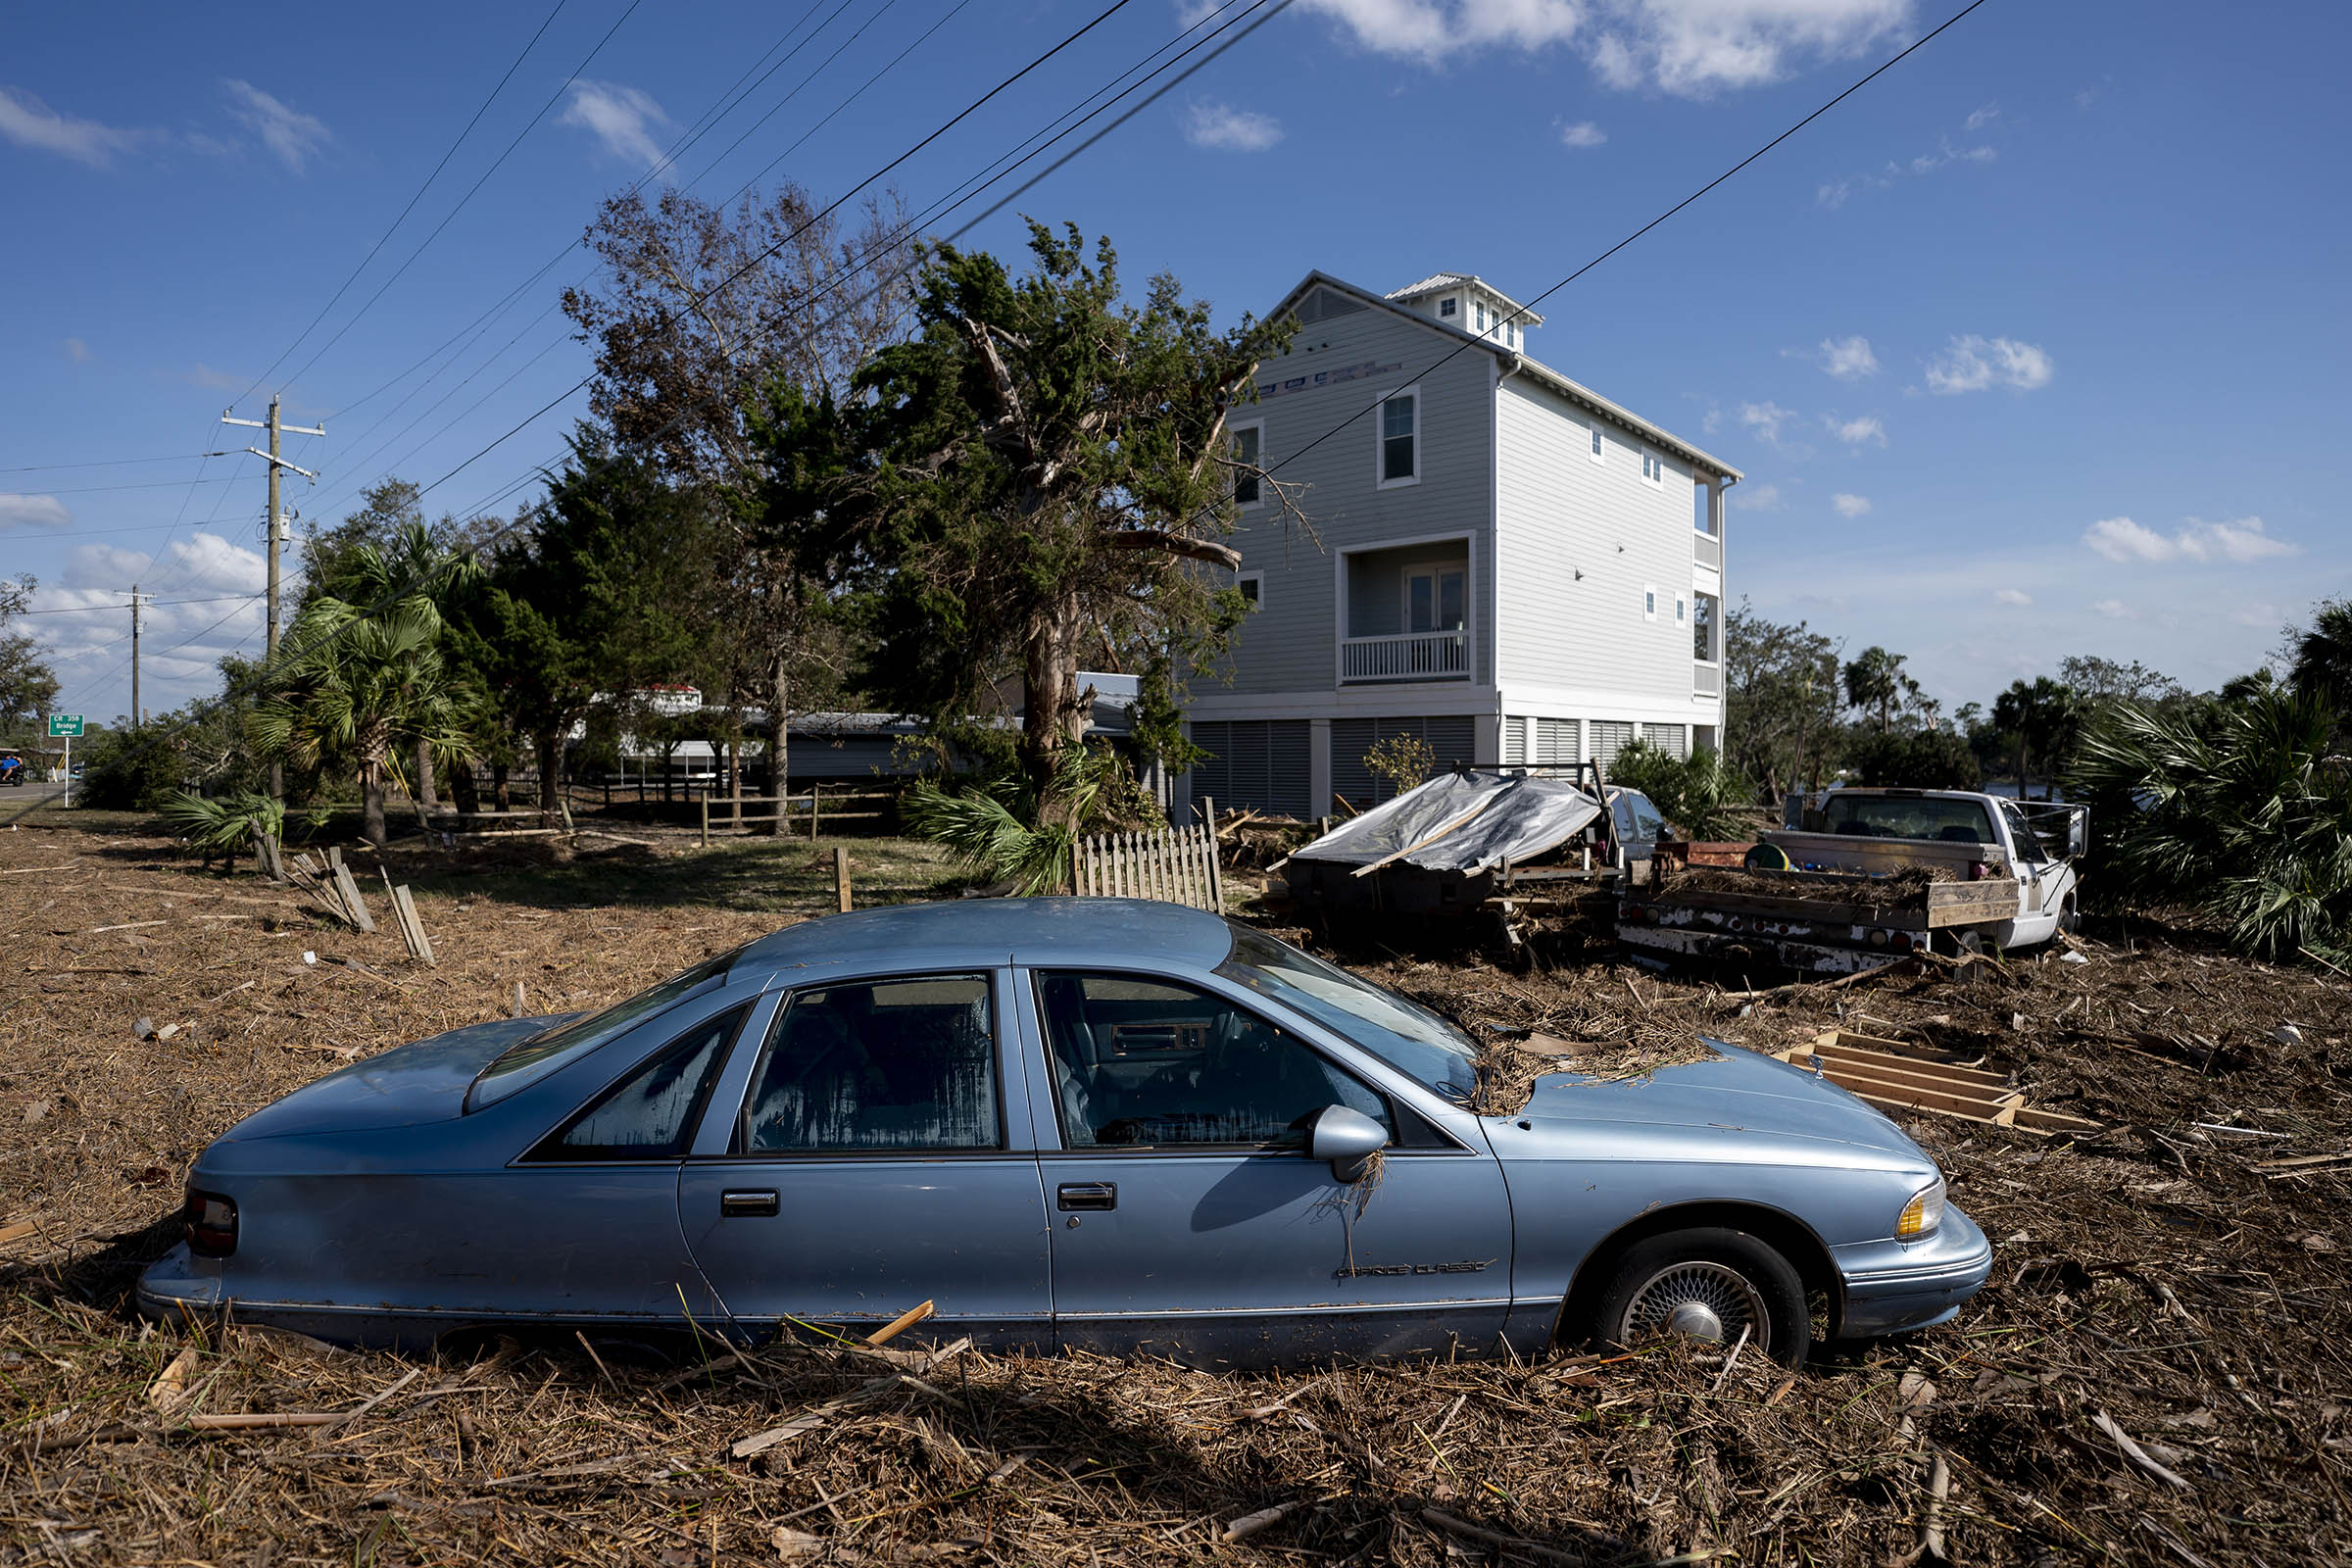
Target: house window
1401 438
1252 585
1433 600
1448 307
1597 448
1654 469
1649 604
1482 317
1682 610
1246 485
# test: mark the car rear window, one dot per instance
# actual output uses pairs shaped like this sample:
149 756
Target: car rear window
1909 817
521 1065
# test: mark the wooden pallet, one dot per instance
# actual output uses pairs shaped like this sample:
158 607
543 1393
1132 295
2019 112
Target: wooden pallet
1895 1075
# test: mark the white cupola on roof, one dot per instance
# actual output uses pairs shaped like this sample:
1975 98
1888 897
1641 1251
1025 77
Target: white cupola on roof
1469 302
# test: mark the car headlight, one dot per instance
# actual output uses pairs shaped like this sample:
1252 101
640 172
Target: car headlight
1922 1214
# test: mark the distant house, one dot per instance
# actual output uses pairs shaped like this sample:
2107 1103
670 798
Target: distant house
1511 565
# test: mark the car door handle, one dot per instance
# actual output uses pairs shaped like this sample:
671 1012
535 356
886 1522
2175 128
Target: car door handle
743 1203
1086 1195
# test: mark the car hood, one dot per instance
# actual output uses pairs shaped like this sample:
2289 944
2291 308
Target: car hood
1735 1090
406 1086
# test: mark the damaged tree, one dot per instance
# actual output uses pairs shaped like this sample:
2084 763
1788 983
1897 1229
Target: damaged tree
1034 482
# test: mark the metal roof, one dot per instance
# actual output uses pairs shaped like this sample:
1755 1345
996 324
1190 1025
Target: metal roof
1440 282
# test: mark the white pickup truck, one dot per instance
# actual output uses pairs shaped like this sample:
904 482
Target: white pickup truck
1815 898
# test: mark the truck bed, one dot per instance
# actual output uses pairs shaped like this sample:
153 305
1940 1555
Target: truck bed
1833 899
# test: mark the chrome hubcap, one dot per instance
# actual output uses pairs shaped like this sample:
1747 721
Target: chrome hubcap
1699 1300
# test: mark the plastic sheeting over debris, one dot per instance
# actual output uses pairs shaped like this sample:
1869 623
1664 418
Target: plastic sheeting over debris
1468 822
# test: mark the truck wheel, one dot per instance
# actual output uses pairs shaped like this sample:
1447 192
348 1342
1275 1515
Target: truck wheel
1708 1284
2070 918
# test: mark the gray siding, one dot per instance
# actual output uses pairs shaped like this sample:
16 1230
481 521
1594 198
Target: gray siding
1560 514
1450 736
1260 764
1291 643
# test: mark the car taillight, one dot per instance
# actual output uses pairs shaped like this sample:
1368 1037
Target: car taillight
1902 942
211 1224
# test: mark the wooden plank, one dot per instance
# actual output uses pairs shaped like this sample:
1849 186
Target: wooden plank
414 928
353 903
1904 1105
2000 1109
1911 1066
841 875
1810 912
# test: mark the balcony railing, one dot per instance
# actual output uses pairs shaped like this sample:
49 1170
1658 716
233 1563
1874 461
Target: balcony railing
1706 550
1706 680
1414 656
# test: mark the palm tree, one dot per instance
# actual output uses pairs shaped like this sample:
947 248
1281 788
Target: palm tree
362 677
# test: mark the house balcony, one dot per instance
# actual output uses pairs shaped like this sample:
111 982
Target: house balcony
1407 656
1706 550
1706 679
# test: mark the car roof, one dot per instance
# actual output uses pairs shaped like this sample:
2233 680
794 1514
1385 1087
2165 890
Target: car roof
972 930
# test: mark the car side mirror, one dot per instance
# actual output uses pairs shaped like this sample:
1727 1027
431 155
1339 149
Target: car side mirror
1348 1139
2077 832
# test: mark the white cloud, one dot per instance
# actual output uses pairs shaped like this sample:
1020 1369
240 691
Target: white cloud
2112 608
1223 128
29 122
1691 47
1755 498
1849 358
1584 133
1983 117
1766 420
1849 505
2238 542
1972 363
2014 598
32 512
1835 193
78 351
183 642
618 117
291 135
1855 432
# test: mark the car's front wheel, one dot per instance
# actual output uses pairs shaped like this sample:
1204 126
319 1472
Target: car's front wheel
1708 1284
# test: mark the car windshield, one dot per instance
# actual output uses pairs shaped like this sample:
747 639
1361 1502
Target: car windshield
520 1065
1909 817
1406 1035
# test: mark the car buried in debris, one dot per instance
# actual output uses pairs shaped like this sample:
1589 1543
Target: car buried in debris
1095 1123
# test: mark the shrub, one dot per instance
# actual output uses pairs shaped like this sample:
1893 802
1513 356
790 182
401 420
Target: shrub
2239 808
1701 797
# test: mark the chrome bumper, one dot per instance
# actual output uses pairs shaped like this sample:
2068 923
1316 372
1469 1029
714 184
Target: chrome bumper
1892 1287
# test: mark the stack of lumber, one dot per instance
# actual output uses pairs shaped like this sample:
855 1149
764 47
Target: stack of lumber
1895 1075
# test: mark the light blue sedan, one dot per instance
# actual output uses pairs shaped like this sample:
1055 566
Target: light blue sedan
1070 1122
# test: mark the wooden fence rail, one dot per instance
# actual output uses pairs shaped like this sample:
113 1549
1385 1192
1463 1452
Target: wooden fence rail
1175 866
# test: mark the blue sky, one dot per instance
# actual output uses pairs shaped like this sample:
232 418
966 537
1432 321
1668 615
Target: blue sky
2032 348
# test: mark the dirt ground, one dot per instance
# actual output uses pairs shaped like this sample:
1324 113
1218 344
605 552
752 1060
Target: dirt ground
2157 1373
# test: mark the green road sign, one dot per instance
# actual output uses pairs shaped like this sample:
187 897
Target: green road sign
64 724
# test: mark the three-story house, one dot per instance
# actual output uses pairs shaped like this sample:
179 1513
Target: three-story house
1495 557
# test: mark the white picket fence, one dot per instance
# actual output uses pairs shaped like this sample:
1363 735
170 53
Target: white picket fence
1176 867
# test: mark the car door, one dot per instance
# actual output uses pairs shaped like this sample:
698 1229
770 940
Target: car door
871 1153
1189 1220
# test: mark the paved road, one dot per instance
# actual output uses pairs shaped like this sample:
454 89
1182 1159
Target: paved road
13 801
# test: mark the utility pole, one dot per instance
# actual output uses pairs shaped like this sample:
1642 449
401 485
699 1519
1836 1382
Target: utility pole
279 531
138 717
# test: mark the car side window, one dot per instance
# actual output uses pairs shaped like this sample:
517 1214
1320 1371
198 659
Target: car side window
651 1114
1148 1063
905 1064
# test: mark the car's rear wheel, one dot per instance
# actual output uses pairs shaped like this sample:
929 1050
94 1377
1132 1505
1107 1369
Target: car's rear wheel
1708 1284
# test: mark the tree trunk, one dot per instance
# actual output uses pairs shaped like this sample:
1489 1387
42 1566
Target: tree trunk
501 800
2021 765
429 796
779 745
551 755
463 789
371 799
1052 719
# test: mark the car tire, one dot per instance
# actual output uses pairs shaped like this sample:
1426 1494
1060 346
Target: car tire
1708 1278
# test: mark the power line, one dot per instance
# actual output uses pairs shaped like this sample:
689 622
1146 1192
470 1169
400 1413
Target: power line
152 603
383 238
112 462
448 216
